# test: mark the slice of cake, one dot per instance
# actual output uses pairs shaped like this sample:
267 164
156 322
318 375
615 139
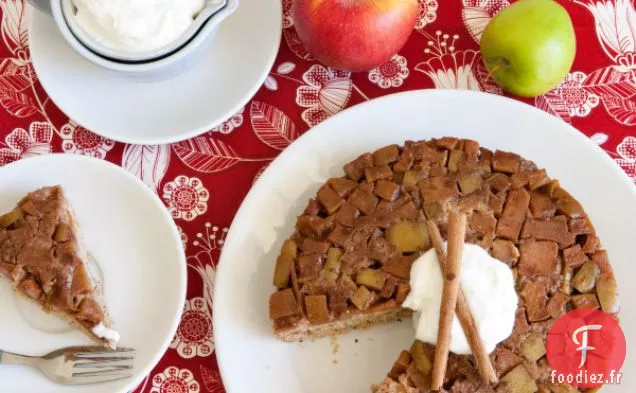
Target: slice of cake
41 252
347 265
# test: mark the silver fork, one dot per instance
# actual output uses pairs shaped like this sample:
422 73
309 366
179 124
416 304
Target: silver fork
78 365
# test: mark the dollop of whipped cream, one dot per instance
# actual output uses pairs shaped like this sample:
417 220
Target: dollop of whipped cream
135 26
489 289
110 335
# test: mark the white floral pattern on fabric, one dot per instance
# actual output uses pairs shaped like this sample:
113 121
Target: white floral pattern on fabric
579 101
428 13
78 140
452 69
186 197
194 335
390 74
478 13
327 92
230 124
175 380
22 144
616 29
627 152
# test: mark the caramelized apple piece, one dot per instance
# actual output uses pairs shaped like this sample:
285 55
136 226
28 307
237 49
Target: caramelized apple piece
371 278
378 172
585 279
587 300
386 155
387 190
355 169
342 186
505 251
10 218
332 267
447 142
401 365
317 311
520 381
538 257
401 292
552 187
62 233
411 177
421 360
556 305
506 162
567 204
400 266
289 248
607 293
498 182
422 382
453 160
574 256
514 214
432 210
470 183
390 304
282 271
282 304
362 298
329 199
533 347
409 236
363 200
435 189
538 179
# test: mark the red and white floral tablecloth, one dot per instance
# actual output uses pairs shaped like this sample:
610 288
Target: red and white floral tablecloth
203 188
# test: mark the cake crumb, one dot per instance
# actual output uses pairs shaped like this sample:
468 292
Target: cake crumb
335 346
356 340
334 361
399 319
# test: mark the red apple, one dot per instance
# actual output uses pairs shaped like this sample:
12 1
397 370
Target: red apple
354 35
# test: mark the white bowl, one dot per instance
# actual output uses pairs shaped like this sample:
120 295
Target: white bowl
164 67
209 10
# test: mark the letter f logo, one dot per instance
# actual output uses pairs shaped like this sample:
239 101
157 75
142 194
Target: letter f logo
584 347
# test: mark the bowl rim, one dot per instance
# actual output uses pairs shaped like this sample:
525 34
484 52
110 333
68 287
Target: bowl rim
162 52
206 29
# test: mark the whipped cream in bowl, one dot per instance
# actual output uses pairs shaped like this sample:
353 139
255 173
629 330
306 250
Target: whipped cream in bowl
137 30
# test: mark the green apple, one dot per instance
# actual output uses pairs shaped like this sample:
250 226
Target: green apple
529 47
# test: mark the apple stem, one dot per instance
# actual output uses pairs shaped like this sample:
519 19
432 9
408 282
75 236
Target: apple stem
492 71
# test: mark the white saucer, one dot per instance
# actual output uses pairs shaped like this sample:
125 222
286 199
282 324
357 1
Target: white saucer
352 362
145 112
138 252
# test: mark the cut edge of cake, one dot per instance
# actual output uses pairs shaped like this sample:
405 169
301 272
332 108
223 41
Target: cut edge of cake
90 314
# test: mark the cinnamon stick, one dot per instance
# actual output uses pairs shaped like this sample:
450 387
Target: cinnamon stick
484 365
451 273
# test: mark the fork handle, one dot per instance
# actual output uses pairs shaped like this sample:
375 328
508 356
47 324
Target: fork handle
14 358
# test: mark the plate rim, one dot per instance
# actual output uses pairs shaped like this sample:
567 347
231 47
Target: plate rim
258 82
222 268
182 261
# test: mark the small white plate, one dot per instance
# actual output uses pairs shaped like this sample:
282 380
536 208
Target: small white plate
137 247
130 110
243 333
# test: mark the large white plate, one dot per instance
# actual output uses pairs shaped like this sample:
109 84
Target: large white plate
127 110
244 342
137 247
